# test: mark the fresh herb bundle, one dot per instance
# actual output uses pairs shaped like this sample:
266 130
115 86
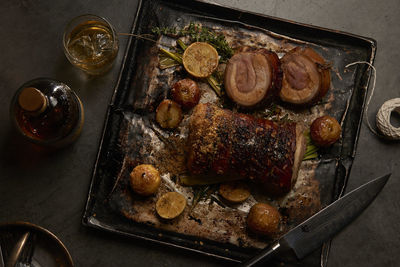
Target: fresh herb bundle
171 59
197 33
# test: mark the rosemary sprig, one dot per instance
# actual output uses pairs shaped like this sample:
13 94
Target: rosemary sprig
202 192
198 194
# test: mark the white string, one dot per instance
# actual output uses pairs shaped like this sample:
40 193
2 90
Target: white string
142 36
383 115
372 92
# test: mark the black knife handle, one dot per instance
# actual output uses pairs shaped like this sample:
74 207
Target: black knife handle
263 257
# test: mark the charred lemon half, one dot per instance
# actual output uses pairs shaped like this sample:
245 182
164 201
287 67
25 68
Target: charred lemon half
170 205
200 59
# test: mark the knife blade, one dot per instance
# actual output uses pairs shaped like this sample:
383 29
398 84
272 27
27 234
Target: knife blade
1 257
313 232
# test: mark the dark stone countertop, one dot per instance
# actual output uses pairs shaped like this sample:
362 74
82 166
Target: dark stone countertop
50 190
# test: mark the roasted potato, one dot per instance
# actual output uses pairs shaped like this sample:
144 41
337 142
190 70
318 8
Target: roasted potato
234 192
168 114
145 179
264 219
325 131
186 92
170 205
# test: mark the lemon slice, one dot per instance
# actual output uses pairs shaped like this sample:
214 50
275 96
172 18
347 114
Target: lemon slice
200 59
170 205
234 192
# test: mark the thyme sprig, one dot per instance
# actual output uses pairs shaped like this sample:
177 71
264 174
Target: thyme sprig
197 33
202 193
170 59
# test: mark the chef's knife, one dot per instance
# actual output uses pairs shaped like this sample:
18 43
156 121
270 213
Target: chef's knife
312 233
1 257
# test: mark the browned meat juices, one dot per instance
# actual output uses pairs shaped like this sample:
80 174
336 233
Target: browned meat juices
229 143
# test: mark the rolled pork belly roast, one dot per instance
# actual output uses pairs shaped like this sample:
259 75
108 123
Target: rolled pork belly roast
228 143
253 77
306 77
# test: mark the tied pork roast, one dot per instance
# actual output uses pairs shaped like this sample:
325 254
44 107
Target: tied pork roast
229 143
253 77
306 77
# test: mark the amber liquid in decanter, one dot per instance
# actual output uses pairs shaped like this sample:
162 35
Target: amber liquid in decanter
47 112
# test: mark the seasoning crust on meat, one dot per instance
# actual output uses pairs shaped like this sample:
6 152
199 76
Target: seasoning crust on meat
229 143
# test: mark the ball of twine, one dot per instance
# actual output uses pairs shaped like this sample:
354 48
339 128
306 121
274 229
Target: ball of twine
387 130
383 119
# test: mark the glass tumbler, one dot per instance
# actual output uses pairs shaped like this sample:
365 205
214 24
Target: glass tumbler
90 43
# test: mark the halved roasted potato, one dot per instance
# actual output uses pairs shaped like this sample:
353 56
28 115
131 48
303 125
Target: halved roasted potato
169 114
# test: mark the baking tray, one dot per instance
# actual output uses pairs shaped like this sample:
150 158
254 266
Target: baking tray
349 88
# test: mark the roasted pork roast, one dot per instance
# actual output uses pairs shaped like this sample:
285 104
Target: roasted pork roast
253 77
229 143
306 77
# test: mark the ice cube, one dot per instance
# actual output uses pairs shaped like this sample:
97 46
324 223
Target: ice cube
102 42
82 48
